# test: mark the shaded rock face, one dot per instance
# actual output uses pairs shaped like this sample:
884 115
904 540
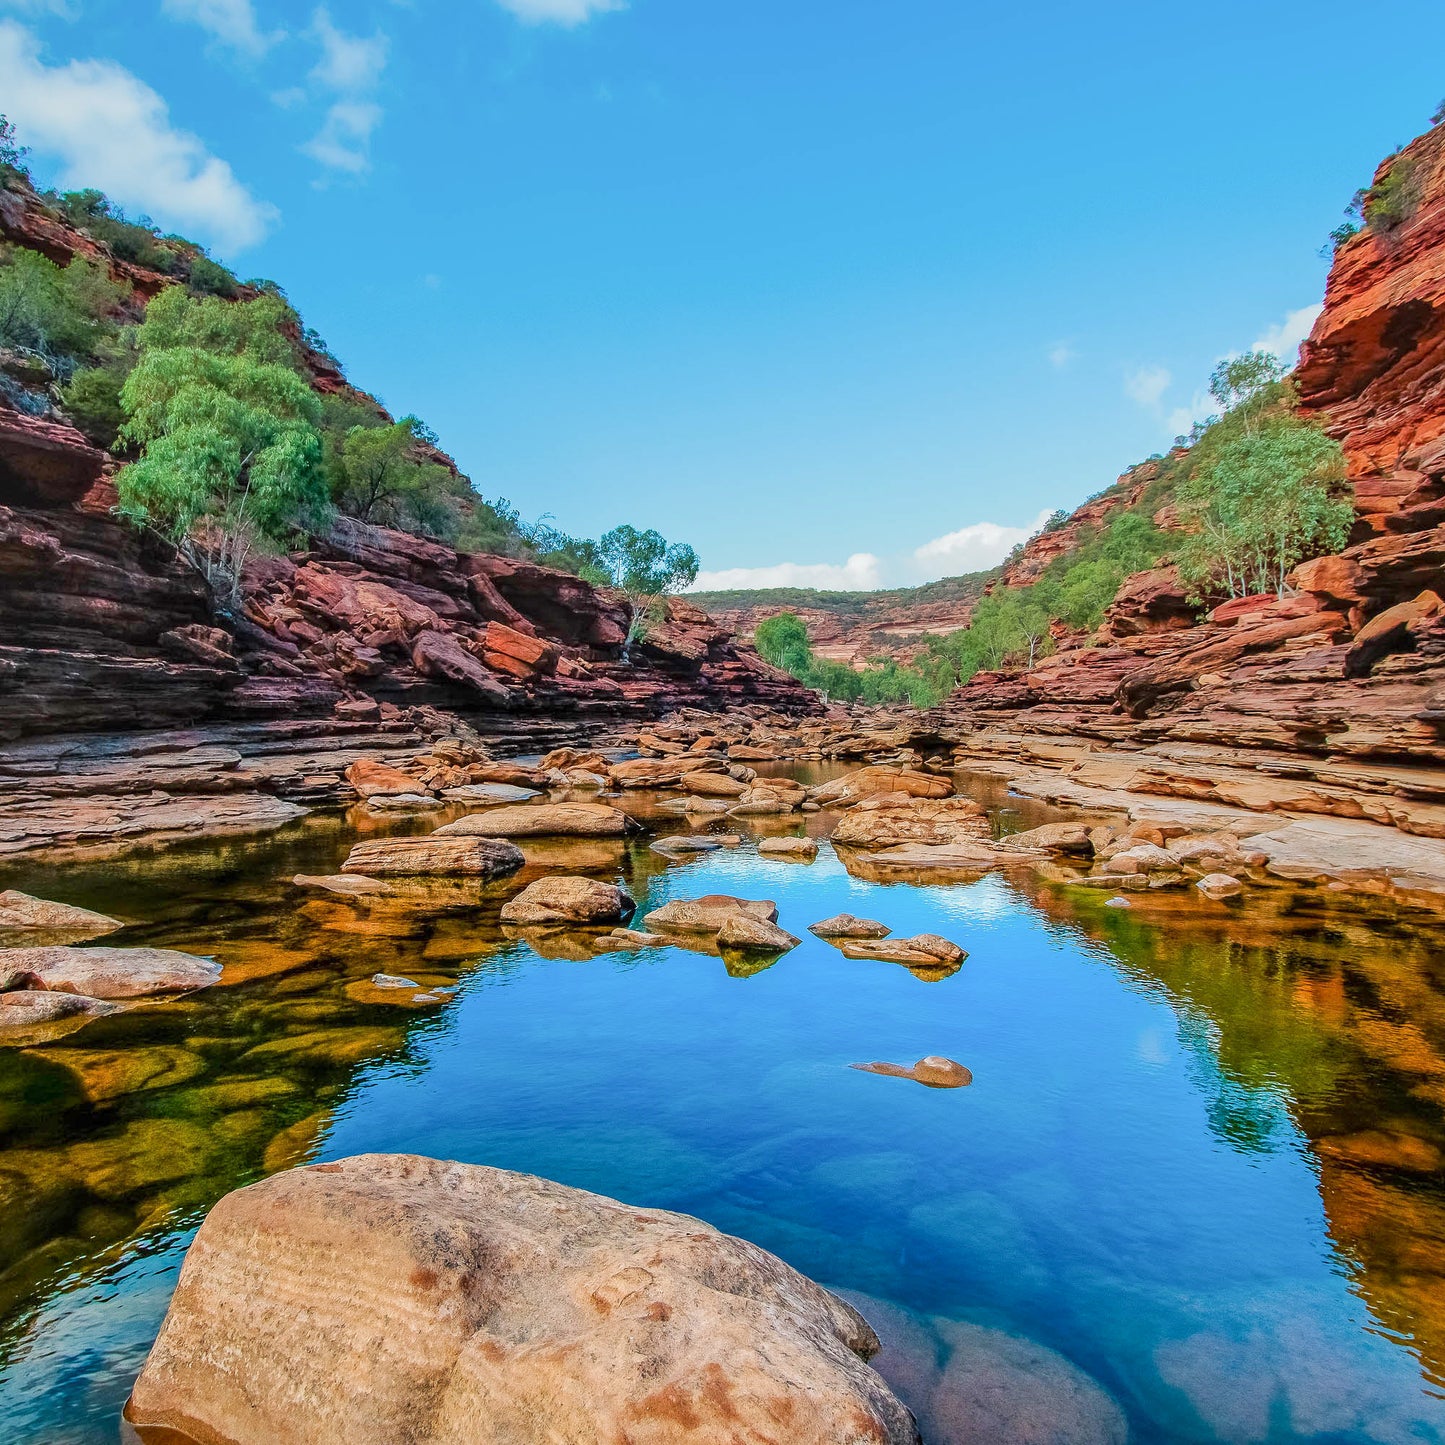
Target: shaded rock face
387 1298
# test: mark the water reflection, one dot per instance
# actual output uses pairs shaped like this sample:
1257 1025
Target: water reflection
1200 1161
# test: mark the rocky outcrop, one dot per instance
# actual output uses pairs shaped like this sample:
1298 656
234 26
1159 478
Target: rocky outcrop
389 1298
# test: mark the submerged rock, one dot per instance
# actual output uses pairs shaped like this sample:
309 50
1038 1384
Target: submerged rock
392 980
29 1017
389 1297
452 856
106 973
543 820
935 1071
346 885
569 900
844 925
923 950
22 913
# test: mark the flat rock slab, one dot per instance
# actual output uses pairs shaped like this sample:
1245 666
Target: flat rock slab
489 793
569 900
390 1297
845 925
681 844
795 850
22 913
625 940
707 914
106 973
457 857
543 820
926 950
346 885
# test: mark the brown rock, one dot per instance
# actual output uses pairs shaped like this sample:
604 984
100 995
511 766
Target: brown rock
532 1313
106 973
798 850
924 950
372 778
1219 885
844 925
543 820
451 857
894 818
1390 632
21 913
882 779
935 1071
707 914
747 934
347 885
31 1017
569 900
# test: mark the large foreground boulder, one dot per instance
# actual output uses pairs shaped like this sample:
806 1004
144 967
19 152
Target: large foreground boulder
391 1298
543 820
23 913
106 973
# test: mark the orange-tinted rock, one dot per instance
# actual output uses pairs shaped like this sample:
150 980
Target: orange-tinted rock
532 1313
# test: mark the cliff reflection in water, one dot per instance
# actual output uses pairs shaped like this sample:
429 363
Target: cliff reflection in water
1312 1034
1331 1018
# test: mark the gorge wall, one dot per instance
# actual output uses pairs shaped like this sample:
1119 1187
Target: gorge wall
103 627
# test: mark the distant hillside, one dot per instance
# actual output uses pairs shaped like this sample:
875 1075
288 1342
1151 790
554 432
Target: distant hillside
845 604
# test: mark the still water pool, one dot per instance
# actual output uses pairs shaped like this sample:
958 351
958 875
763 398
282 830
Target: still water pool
1201 1160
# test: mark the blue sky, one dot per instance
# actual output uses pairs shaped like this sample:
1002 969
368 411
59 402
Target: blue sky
843 293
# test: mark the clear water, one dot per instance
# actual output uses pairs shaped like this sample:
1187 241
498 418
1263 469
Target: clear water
1200 1158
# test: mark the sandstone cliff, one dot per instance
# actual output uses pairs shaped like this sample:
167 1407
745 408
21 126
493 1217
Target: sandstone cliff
104 628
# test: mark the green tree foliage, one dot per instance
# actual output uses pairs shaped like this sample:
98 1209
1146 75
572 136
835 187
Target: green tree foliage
210 278
13 169
135 241
645 567
61 315
91 398
783 642
1263 488
231 454
386 478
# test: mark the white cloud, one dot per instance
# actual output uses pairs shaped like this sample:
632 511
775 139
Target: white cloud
973 548
561 12
232 22
860 573
1061 354
1147 385
349 63
344 141
111 130
1284 339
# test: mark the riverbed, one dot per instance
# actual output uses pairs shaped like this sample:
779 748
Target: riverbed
1197 1185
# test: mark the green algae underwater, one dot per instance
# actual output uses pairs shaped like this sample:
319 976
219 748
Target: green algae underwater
1196 1190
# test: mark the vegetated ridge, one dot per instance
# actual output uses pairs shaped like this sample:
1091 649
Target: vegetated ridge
202 519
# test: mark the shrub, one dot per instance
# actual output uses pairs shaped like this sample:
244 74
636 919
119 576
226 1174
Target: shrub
92 401
210 278
1394 197
13 169
92 212
59 314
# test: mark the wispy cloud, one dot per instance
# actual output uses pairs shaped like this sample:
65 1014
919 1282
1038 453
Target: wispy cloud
971 548
1284 339
232 22
560 12
1147 385
1061 354
350 67
109 129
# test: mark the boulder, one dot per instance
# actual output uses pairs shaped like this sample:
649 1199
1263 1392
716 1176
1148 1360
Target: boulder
713 785
1073 838
489 793
891 819
390 1298
682 844
402 803
453 857
752 935
1390 632
844 925
373 779
543 820
439 655
1142 858
22 913
707 914
106 973
882 778
798 850
1219 885
569 900
625 940
935 1071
